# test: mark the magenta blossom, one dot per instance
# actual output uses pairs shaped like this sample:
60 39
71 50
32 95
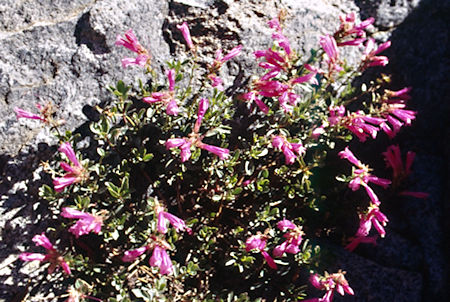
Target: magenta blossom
370 57
219 59
87 222
75 171
159 257
330 283
52 255
130 41
222 153
349 32
400 172
258 243
176 222
20 113
166 97
216 81
360 124
372 217
253 97
329 45
293 238
203 106
183 144
289 149
362 177
186 34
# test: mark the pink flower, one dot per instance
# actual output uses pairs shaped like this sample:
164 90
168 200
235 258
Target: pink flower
176 222
203 106
361 125
330 283
361 176
186 34
20 113
288 149
274 24
86 223
182 143
130 41
283 42
349 32
222 153
52 255
258 243
75 171
161 259
400 172
370 58
253 97
130 256
329 45
216 82
293 238
219 59
166 97
372 217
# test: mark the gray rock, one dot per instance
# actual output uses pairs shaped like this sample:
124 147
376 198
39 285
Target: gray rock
373 282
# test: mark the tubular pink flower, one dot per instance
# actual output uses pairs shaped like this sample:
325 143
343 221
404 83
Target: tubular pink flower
59 183
161 259
66 148
328 44
176 222
269 260
140 60
233 53
172 108
20 113
270 88
32 257
87 222
171 78
330 283
52 255
131 255
255 242
274 24
252 97
182 143
283 42
285 224
42 240
370 58
347 154
222 153
203 106
186 34
129 41
277 142
76 172
216 82
174 143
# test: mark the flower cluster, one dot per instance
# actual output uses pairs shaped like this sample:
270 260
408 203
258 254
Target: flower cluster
195 139
131 42
330 283
52 256
280 142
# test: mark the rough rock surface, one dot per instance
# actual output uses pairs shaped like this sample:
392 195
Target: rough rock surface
63 51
